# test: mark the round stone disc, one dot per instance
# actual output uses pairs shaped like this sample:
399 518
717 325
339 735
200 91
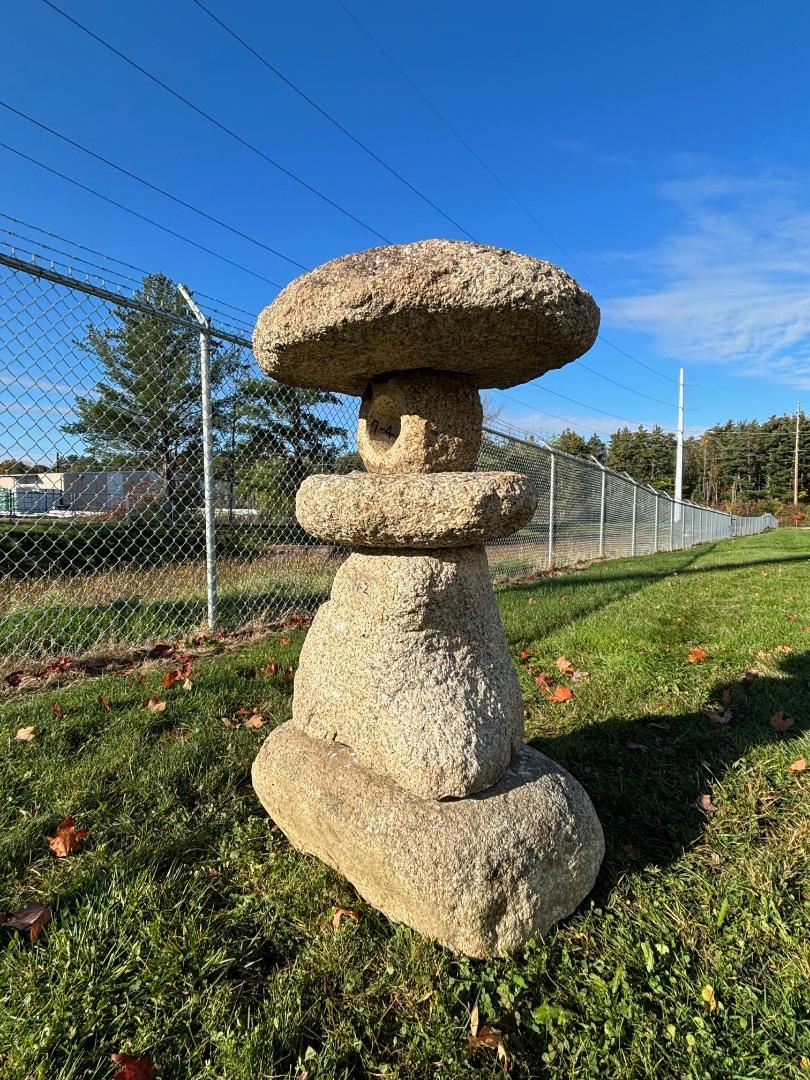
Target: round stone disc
488 313
425 510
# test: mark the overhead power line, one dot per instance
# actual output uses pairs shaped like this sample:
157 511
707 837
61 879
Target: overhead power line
332 120
491 172
217 123
607 378
151 186
142 217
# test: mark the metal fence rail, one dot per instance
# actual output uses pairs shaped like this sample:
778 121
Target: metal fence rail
148 472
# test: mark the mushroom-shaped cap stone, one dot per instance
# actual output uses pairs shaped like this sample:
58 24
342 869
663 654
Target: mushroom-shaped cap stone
495 316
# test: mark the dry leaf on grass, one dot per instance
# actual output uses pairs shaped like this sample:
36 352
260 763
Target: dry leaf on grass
780 722
285 641
524 654
696 656
68 839
487 1036
25 734
543 682
704 803
154 704
562 693
750 674
798 766
707 995
344 913
716 716
104 702
134 1067
227 722
255 721
31 920
785 649
565 666
792 618
270 668
57 711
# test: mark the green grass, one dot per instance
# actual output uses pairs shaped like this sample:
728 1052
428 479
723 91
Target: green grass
187 926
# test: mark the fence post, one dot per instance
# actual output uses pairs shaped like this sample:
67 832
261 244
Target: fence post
635 504
551 513
208 459
601 508
655 528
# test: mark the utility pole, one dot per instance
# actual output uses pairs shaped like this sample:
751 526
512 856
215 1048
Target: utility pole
796 456
679 456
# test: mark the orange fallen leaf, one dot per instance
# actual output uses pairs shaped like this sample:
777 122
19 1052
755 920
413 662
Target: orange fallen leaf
524 654
792 617
255 721
285 641
289 673
562 693
704 803
270 668
25 734
344 913
784 649
104 702
68 839
31 920
154 704
697 656
798 766
565 666
134 1067
780 722
57 711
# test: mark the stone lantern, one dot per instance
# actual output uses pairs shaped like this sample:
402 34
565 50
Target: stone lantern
404 765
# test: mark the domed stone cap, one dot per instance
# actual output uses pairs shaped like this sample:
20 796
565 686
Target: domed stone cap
488 313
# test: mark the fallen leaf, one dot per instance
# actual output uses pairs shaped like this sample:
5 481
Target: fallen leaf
697 656
750 674
227 722
762 655
140 1067
806 628
14 678
25 734
68 839
161 652
285 641
793 618
188 684
524 654
254 721
565 666
784 649
636 746
486 1036
780 722
31 920
715 715
154 704
704 803
344 913
543 682
57 711
707 995
562 693
176 733
171 678
578 676
270 668
531 600
289 673
798 766
104 702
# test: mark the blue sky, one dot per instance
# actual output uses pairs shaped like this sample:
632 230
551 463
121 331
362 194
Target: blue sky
663 150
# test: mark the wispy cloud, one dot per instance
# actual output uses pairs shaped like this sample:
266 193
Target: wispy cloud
732 278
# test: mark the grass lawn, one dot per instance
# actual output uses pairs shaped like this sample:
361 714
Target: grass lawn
186 926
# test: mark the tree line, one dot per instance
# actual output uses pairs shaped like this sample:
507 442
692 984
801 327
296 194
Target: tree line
741 465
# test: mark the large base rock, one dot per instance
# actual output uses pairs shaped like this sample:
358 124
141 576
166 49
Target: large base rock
407 663
481 875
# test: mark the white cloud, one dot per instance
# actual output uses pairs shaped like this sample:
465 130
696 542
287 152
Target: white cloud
732 279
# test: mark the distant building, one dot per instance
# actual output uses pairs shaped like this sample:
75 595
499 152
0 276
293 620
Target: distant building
81 492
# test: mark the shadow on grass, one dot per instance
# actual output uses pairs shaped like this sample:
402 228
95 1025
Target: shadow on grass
645 792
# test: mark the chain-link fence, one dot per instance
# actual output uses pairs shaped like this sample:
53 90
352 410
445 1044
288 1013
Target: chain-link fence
148 472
